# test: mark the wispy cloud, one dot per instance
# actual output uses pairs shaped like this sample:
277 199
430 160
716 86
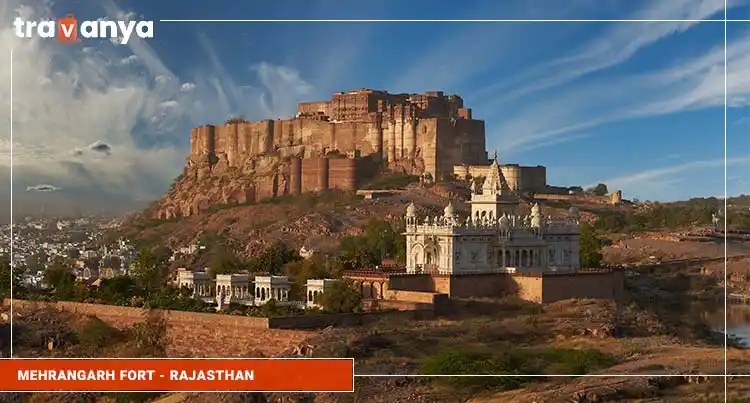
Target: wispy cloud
660 177
616 45
114 119
42 188
688 85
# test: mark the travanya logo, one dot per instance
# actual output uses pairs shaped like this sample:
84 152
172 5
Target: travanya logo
67 29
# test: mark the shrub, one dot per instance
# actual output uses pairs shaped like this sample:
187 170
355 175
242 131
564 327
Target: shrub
575 362
151 335
466 362
511 361
96 333
341 297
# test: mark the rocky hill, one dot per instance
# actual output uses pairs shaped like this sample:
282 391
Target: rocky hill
316 221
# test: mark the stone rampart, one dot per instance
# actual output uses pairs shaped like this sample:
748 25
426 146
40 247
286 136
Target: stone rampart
613 198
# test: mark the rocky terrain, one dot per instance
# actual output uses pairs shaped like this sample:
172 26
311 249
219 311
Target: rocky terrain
313 220
567 337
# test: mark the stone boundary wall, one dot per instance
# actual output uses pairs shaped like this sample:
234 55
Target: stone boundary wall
346 319
192 334
386 304
123 317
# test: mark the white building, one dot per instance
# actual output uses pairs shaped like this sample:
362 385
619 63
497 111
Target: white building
494 238
233 289
199 282
272 287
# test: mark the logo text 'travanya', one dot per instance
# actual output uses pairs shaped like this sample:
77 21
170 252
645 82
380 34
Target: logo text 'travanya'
68 29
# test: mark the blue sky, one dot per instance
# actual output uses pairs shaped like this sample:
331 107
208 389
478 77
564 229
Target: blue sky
638 106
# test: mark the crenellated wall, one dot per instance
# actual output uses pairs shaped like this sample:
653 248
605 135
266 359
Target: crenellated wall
428 132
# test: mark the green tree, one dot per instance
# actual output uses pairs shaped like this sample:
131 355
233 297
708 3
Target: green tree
385 240
600 189
273 259
150 269
171 297
590 247
119 290
222 260
6 279
379 241
62 281
355 252
299 271
341 297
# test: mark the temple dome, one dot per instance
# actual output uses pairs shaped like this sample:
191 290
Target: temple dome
573 212
411 211
535 209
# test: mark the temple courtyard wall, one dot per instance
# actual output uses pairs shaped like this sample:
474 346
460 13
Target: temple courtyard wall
539 288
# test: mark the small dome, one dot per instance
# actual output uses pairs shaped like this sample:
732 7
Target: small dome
448 211
573 212
411 211
504 221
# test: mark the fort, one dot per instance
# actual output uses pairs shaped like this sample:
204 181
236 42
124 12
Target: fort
333 144
430 132
338 145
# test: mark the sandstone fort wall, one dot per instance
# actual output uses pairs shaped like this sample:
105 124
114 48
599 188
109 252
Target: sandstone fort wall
250 161
519 178
613 198
431 130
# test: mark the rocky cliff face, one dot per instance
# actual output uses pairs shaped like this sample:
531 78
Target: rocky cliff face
209 180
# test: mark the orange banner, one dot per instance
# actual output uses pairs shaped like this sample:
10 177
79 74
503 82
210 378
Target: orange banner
178 375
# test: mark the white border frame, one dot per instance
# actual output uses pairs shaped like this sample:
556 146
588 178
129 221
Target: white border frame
725 22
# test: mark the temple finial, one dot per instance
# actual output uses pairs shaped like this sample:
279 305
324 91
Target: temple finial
495 155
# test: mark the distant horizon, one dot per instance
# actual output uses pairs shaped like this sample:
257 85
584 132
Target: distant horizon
126 213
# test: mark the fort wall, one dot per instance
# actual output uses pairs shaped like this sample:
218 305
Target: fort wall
399 128
519 178
250 161
613 198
